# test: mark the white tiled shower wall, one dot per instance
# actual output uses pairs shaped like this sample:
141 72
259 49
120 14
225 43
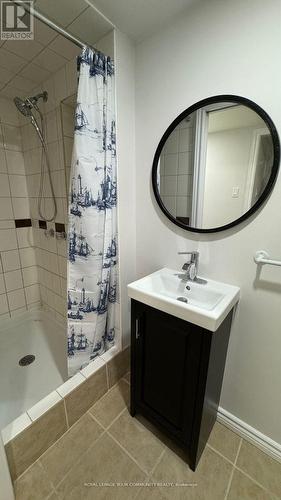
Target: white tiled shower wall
33 266
51 251
19 287
176 169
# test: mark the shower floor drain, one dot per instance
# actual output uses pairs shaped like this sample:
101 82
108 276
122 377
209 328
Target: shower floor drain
27 360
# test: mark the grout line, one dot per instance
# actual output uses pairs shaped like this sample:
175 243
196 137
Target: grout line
5 287
106 394
125 379
79 460
220 454
238 451
156 464
60 439
127 453
13 212
16 268
51 482
22 287
31 61
112 422
113 26
96 420
66 415
29 467
232 471
107 377
255 481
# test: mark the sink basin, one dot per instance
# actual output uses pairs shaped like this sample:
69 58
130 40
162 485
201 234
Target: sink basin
204 305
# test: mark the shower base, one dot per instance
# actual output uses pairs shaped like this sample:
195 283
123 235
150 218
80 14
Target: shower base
32 333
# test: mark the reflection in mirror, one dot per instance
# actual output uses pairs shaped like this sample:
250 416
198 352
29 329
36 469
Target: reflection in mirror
215 165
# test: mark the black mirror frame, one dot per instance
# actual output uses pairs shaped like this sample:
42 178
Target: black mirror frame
275 167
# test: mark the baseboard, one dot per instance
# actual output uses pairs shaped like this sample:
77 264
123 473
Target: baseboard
267 445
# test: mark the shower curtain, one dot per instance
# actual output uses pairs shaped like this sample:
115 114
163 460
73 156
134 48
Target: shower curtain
92 224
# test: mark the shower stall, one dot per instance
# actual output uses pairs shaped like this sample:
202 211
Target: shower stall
37 111
33 248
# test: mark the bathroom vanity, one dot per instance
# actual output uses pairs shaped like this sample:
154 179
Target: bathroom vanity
178 352
214 166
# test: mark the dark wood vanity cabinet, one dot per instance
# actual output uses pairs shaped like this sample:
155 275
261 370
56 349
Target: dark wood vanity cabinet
176 375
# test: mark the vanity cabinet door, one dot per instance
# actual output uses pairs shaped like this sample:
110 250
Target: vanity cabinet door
165 368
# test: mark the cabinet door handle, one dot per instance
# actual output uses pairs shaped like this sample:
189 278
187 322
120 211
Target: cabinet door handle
138 332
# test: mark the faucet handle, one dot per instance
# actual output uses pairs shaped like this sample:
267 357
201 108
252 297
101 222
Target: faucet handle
194 256
189 253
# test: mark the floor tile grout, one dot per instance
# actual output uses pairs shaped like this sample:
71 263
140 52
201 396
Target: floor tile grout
156 464
238 451
256 482
95 420
107 378
105 431
79 459
235 467
127 381
127 452
71 428
106 393
232 470
149 476
66 415
220 454
112 422
51 482
62 436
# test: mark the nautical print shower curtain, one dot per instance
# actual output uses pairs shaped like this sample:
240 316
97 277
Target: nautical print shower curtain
92 224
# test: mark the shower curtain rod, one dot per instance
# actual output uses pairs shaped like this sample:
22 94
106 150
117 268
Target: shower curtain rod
55 27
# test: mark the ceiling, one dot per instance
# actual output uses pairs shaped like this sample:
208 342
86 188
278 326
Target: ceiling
25 64
136 18
78 17
234 117
141 18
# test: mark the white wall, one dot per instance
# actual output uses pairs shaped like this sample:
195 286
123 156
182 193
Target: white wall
227 167
220 47
125 120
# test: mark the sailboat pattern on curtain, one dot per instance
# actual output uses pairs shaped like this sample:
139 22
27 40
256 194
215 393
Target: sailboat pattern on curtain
92 222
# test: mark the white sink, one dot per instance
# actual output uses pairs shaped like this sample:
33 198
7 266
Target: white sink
205 305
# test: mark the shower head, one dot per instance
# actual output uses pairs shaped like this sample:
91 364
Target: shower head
22 106
26 105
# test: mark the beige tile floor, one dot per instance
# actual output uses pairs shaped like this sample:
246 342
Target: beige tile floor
108 446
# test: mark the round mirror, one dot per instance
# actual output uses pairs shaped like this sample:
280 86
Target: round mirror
216 163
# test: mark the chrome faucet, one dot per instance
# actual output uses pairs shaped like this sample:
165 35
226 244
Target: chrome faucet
191 268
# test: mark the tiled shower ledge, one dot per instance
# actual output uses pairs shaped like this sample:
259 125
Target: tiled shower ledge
30 416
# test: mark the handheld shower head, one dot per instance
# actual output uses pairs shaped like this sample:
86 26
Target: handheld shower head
26 105
22 106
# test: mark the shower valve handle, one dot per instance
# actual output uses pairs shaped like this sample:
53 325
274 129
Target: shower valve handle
49 233
61 235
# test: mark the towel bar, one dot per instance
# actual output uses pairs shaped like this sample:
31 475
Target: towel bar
262 257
